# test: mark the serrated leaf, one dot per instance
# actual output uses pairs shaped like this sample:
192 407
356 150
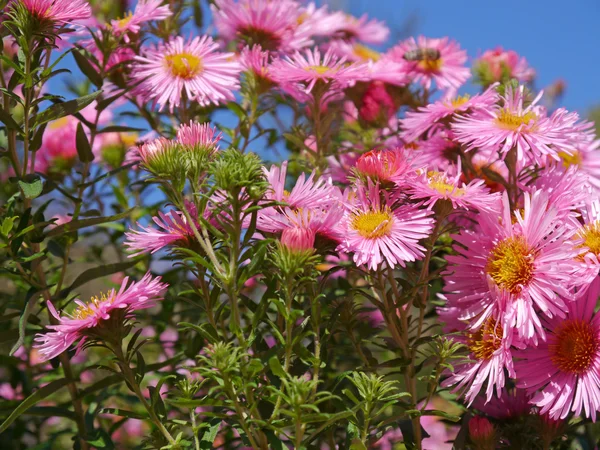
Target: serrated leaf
208 438
32 400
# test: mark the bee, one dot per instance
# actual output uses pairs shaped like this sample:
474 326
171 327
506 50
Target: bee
422 54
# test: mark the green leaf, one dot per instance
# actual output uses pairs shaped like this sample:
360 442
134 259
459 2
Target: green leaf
208 438
32 400
31 189
23 321
7 120
276 367
119 129
73 225
87 69
84 150
63 109
97 272
7 225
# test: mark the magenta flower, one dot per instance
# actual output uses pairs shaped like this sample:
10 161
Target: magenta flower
275 26
256 60
173 230
377 231
513 271
145 11
433 186
308 68
512 125
59 11
88 321
416 123
192 68
201 135
562 373
385 166
504 64
447 71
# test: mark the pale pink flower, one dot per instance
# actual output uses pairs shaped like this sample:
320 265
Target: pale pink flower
363 29
145 11
377 231
59 11
86 320
201 135
191 68
448 71
535 135
515 266
256 60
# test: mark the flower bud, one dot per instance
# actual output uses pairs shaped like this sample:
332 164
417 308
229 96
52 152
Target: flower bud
298 239
482 433
377 106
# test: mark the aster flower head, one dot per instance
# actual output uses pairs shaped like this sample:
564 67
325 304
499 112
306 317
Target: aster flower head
56 11
515 125
510 404
419 122
562 372
145 11
172 230
431 60
384 166
199 137
434 186
191 69
274 25
256 60
376 231
104 317
499 65
306 193
298 239
516 267
362 29
308 68
160 156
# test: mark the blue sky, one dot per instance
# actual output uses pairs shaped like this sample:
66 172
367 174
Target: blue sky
560 39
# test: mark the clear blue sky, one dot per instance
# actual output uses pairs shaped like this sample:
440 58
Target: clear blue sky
560 39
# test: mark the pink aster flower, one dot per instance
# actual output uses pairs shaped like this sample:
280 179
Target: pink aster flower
173 230
510 404
59 11
446 70
502 65
298 239
489 356
416 123
306 193
199 135
145 11
256 60
511 125
309 68
384 166
91 320
433 186
586 156
340 167
376 231
191 68
274 25
515 270
562 373
363 29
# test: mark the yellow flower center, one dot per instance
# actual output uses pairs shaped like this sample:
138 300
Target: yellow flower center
485 341
590 234
511 264
59 123
574 159
184 65
319 69
86 310
366 53
129 139
440 183
460 100
125 20
430 65
510 121
373 224
575 346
